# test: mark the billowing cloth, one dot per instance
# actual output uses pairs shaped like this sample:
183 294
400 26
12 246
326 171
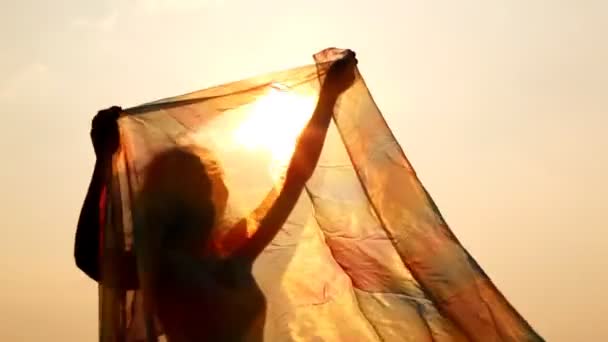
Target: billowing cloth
364 256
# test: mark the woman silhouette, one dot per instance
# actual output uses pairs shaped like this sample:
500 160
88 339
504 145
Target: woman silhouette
199 284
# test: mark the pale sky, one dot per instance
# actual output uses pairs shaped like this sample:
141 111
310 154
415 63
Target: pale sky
501 106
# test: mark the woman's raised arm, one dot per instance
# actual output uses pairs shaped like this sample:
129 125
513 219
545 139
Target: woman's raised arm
276 208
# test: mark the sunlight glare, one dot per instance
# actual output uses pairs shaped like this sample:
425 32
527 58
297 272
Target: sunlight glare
273 124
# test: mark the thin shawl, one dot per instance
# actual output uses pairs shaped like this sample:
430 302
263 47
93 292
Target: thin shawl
364 256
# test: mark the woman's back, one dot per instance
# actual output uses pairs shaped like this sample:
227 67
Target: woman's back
197 293
209 300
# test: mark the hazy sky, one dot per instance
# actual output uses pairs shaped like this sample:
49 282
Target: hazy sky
501 106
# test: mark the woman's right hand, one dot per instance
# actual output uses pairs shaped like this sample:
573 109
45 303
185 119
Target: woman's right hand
340 76
104 132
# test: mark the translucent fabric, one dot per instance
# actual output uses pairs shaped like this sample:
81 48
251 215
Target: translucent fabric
364 256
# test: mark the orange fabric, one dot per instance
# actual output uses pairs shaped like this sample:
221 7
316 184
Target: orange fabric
364 256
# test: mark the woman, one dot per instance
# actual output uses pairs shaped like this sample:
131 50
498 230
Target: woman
185 270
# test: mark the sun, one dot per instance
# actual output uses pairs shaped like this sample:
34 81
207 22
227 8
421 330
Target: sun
272 126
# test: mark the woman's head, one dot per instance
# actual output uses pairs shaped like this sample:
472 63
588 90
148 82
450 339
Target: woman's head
184 191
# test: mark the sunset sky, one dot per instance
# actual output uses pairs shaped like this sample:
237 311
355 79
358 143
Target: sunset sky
501 107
